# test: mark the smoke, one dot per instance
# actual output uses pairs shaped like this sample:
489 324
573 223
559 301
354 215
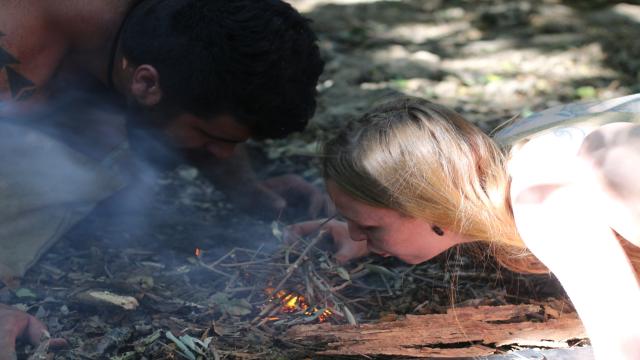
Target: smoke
77 163
48 184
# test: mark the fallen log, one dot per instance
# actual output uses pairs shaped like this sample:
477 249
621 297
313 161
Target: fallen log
461 332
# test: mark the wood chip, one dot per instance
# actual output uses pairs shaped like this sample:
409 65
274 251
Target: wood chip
101 297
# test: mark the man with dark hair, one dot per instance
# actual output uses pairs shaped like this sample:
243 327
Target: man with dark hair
194 78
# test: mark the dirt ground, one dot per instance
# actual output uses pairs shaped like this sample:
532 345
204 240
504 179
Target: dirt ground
489 60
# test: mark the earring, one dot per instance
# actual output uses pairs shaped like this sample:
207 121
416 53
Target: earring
436 229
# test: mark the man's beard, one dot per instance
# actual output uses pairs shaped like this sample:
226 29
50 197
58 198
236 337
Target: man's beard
150 144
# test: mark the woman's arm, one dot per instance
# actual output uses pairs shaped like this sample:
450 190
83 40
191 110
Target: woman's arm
565 227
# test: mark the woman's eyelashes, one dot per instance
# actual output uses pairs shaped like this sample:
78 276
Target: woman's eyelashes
370 229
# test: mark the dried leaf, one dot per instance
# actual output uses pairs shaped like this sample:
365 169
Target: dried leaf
343 273
25 293
233 307
129 355
239 310
141 345
194 344
183 350
350 318
275 230
380 270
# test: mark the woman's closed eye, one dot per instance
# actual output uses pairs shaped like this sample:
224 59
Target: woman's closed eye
370 228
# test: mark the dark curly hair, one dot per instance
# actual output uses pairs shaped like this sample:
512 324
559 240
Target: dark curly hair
256 60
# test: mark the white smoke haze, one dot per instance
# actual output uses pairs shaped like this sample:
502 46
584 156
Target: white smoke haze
68 176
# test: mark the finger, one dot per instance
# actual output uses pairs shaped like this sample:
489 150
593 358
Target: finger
271 199
35 331
58 343
317 203
281 183
276 201
278 204
346 254
342 258
12 323
7 348
303 228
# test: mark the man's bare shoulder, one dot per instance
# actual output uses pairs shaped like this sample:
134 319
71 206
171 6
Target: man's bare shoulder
30 52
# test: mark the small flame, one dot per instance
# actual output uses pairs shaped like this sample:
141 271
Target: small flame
292 302
326 313
198 252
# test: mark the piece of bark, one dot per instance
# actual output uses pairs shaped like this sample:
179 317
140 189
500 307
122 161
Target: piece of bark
461 332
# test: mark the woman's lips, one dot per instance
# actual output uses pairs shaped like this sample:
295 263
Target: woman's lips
380 253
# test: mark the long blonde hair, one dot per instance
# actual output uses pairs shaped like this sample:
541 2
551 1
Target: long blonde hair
427 161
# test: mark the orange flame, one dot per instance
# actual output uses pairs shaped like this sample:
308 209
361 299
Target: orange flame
326 314
292 302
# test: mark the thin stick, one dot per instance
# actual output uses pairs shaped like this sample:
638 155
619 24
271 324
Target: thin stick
296 264
212 268
299 260
253 262
215 263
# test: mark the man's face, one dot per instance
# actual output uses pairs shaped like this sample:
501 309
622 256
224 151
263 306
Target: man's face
182 137
218 135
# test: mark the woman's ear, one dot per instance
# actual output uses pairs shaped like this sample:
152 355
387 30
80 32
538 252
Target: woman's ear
145 85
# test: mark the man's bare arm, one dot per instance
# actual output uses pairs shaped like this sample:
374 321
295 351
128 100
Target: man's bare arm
31 52
13 83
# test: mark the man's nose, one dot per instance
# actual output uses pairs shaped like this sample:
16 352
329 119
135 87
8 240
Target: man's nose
221 151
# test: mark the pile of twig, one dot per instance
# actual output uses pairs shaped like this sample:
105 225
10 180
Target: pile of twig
300 282
297 283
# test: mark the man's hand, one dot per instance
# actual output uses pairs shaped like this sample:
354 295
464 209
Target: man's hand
346 249
15 324
236 178
292 191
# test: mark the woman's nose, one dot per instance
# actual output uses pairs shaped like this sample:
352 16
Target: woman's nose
356 234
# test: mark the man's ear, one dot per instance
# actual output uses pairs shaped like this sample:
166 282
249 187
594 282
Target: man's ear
145 85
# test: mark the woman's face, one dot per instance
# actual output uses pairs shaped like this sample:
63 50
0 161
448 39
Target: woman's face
390 233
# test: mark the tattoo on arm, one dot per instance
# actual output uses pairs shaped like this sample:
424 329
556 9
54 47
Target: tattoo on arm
21 88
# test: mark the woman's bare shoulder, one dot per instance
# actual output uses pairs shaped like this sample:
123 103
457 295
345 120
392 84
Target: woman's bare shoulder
547 159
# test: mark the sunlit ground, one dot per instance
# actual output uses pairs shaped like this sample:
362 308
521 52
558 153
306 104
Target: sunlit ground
489 60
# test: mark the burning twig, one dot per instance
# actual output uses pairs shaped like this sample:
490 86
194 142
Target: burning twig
318 236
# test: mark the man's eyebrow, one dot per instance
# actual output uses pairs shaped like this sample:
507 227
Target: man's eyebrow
231 141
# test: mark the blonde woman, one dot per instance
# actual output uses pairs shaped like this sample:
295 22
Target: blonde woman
413 178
